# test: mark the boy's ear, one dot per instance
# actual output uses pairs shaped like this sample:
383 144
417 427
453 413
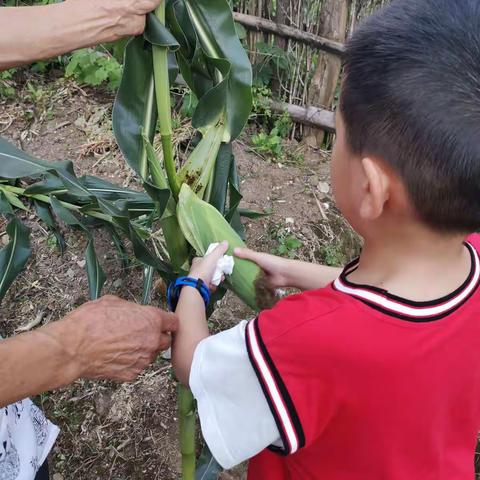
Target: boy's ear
376 189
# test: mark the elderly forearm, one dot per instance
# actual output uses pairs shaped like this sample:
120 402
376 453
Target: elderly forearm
39 32
37 361
192 329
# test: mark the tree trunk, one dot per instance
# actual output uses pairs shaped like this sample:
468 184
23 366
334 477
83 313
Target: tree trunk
334 17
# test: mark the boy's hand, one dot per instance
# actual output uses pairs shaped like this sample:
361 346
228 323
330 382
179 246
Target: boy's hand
204 268
275 268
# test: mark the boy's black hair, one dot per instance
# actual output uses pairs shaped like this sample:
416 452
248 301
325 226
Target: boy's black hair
411 95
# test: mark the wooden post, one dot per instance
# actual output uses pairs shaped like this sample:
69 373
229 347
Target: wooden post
334 17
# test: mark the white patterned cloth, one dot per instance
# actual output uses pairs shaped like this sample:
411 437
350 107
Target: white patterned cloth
26 438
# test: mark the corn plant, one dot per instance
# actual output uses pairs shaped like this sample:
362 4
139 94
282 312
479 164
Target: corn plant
183 208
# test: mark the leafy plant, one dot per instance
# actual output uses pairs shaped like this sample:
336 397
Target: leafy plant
162 223
288 243
269 144
6 83
94 67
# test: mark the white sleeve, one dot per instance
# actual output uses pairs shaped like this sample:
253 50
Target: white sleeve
234 414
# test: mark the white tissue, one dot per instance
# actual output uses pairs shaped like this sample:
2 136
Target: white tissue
224 265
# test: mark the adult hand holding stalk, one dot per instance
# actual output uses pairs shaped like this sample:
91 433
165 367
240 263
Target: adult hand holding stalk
45 31
109 338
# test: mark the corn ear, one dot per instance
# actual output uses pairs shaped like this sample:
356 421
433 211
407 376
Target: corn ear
198 169
202 224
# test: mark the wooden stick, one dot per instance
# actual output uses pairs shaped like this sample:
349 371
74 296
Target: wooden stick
311 116
260 24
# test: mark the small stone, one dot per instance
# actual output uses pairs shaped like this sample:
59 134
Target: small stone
117 283
323 187
70 273
289 220
57 476
81 263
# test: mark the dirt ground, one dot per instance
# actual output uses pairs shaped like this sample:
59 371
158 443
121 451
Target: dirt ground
129 431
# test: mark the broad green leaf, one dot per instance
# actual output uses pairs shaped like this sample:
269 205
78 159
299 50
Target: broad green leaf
214 26
5 206
14 163
44 213
14 256
14 200
159 195
50 185
66 215
119 245
157 34
95 273
135 107
109 191
221 175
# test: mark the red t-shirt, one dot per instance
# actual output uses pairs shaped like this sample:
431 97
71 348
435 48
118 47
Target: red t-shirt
365 385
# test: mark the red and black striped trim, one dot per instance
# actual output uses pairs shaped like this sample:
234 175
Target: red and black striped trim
413 311
275 391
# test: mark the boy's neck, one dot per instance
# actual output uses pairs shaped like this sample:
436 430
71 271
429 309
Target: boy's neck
414 262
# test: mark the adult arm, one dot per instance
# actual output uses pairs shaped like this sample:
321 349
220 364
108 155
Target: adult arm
284 272
108 338
39 32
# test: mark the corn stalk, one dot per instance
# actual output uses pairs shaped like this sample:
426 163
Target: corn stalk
182 209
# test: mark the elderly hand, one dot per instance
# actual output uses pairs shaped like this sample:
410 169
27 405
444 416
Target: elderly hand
116 339
128 16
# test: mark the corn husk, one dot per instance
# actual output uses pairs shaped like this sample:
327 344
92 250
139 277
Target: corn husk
202 224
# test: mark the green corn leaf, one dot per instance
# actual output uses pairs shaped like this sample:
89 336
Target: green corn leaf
221 175
156 171
66 215
14 200
14 256
5 206
134 106
202 224
14 163
45 214
109 191
135 110
119 245
95 273
50 185
215 29
177 246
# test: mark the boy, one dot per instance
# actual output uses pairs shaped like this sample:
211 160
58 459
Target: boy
371 374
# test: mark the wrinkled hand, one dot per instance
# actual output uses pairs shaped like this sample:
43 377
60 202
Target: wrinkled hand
204 267
116 339
275 268
128 15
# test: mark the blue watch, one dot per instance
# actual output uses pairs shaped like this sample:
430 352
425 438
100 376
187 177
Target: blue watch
173 292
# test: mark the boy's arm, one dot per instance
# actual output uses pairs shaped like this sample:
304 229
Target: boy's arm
283 272
192 321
